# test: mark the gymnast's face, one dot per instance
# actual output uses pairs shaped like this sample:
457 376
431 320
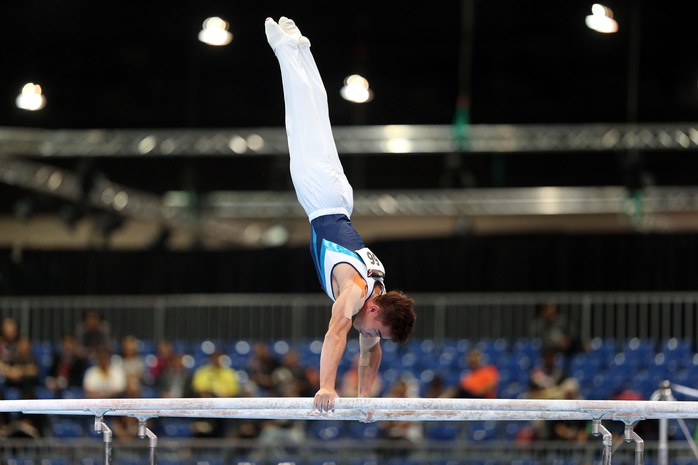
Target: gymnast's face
368 323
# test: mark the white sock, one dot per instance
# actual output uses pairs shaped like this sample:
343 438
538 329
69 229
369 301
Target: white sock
290 28
285 31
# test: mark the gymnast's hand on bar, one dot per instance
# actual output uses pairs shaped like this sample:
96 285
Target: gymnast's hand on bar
324 400
369 416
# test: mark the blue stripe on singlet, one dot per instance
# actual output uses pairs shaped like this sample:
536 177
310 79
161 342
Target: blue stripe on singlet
333 232
315 247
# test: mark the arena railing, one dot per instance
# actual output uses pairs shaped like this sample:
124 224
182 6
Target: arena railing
620 315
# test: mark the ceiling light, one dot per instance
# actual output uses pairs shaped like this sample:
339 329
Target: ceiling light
356 89
215 32
601 19
31 97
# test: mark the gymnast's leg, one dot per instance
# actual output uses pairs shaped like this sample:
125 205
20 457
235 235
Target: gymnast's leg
318 177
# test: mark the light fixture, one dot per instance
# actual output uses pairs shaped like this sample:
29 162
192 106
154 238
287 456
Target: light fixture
215 32
601 19
356 89
31 97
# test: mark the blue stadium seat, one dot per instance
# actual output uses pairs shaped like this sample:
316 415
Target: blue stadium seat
449 461
525 462
44 393
56 460
12 393
280 347
482 431
404 461
460 346
493 348
182 346
677 349
62 427
147 347
91 461
638 350
603 346
325 461
327 430
447 359
21 460
208 460
73 393
526 346
512 429
513 390
176 427
482 462
363 461
362 431
442 431
245 460
286 461
129 460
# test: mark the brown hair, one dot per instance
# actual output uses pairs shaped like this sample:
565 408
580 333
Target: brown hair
398 314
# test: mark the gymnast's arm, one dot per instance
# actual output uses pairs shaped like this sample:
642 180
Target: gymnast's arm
370 356
348 300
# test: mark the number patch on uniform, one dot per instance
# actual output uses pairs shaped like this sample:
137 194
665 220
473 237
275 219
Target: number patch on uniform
374 265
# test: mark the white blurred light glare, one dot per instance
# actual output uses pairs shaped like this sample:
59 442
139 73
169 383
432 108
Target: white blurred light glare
31 97
215 32
601 19
356 89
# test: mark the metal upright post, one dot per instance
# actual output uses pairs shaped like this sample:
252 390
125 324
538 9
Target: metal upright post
102 427
662 443
144 432
632 436
607 441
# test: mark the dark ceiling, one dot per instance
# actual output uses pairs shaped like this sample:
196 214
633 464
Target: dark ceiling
139 64
119 64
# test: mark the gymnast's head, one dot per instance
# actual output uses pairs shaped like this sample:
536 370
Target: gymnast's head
397 313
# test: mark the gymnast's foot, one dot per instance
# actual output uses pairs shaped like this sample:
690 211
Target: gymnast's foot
285 31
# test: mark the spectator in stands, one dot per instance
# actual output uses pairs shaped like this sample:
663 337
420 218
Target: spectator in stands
164 354
436 387
105 379
24 427
67 367
292 379
279 438
133 365
569 430
555 331
404 434
549 379
481 381
349 384
22 369
261 365
175 380
9 337
214 379
93 333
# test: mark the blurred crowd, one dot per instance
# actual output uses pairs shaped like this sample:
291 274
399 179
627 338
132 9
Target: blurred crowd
92 363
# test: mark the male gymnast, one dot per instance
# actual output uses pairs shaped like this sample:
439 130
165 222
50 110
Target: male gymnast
350 274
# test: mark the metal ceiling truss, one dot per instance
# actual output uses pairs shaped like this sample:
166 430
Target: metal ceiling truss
17 145
175 208
350 140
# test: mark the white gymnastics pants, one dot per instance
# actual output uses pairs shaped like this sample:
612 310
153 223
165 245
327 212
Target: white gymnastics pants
318 177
